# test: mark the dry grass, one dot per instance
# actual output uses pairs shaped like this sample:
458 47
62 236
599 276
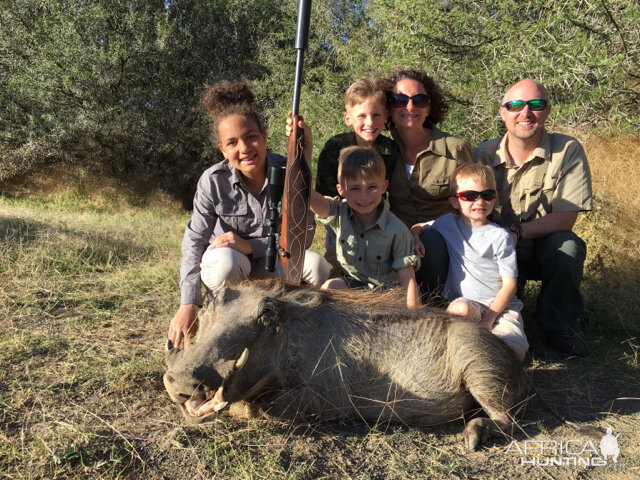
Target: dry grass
88 284
612 235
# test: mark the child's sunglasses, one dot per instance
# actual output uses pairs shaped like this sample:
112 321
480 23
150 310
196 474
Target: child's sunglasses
472 195
518 105
420 100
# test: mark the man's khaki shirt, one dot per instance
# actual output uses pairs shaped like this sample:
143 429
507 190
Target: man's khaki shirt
555 178
371 255
423 196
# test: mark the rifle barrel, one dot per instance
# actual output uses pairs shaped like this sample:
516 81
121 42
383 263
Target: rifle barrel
302 32
297 86
302 36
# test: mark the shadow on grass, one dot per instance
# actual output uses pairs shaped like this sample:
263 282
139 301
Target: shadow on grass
67 249
603 383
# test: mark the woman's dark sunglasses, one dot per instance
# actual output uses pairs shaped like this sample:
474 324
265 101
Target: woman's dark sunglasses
472 195
518 105
420 100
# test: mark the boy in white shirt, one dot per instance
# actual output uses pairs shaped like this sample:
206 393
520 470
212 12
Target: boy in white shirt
483 272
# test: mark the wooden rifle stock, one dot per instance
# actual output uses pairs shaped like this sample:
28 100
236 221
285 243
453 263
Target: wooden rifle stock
297 183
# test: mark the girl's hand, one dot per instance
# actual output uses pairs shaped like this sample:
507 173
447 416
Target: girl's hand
232 240
183 325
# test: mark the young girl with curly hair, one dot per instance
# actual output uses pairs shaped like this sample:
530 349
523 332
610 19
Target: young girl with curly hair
226 237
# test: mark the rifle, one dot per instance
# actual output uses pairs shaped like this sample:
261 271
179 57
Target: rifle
297 183
275 184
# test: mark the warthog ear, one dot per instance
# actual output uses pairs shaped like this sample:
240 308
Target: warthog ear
170 352
270 312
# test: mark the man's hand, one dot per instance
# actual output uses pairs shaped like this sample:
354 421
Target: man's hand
551 223
184 324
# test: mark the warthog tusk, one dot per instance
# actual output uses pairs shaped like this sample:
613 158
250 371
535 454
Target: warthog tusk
243 359
168 346
218 396
219 406
220 399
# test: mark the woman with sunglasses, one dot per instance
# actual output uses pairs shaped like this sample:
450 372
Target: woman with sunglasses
419 185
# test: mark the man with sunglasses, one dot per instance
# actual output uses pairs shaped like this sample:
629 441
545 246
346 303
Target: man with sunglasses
543 183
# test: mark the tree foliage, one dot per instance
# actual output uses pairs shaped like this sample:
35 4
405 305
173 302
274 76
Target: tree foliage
119 83
585 52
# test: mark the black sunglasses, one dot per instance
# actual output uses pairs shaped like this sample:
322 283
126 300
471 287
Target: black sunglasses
472 195
518 105
419 100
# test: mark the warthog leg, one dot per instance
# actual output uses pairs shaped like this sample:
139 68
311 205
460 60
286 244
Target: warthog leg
479 429
492 376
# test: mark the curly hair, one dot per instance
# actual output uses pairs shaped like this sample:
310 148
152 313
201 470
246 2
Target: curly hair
439 106
230 98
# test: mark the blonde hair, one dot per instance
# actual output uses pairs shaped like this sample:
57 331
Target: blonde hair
357 160
475 171
363 89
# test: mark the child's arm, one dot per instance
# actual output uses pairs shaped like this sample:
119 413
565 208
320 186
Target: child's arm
319 204
408 280
418 246
501 300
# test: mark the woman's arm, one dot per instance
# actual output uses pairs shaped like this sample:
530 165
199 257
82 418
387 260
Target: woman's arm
196 239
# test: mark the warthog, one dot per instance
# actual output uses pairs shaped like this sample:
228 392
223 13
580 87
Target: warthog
302 352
